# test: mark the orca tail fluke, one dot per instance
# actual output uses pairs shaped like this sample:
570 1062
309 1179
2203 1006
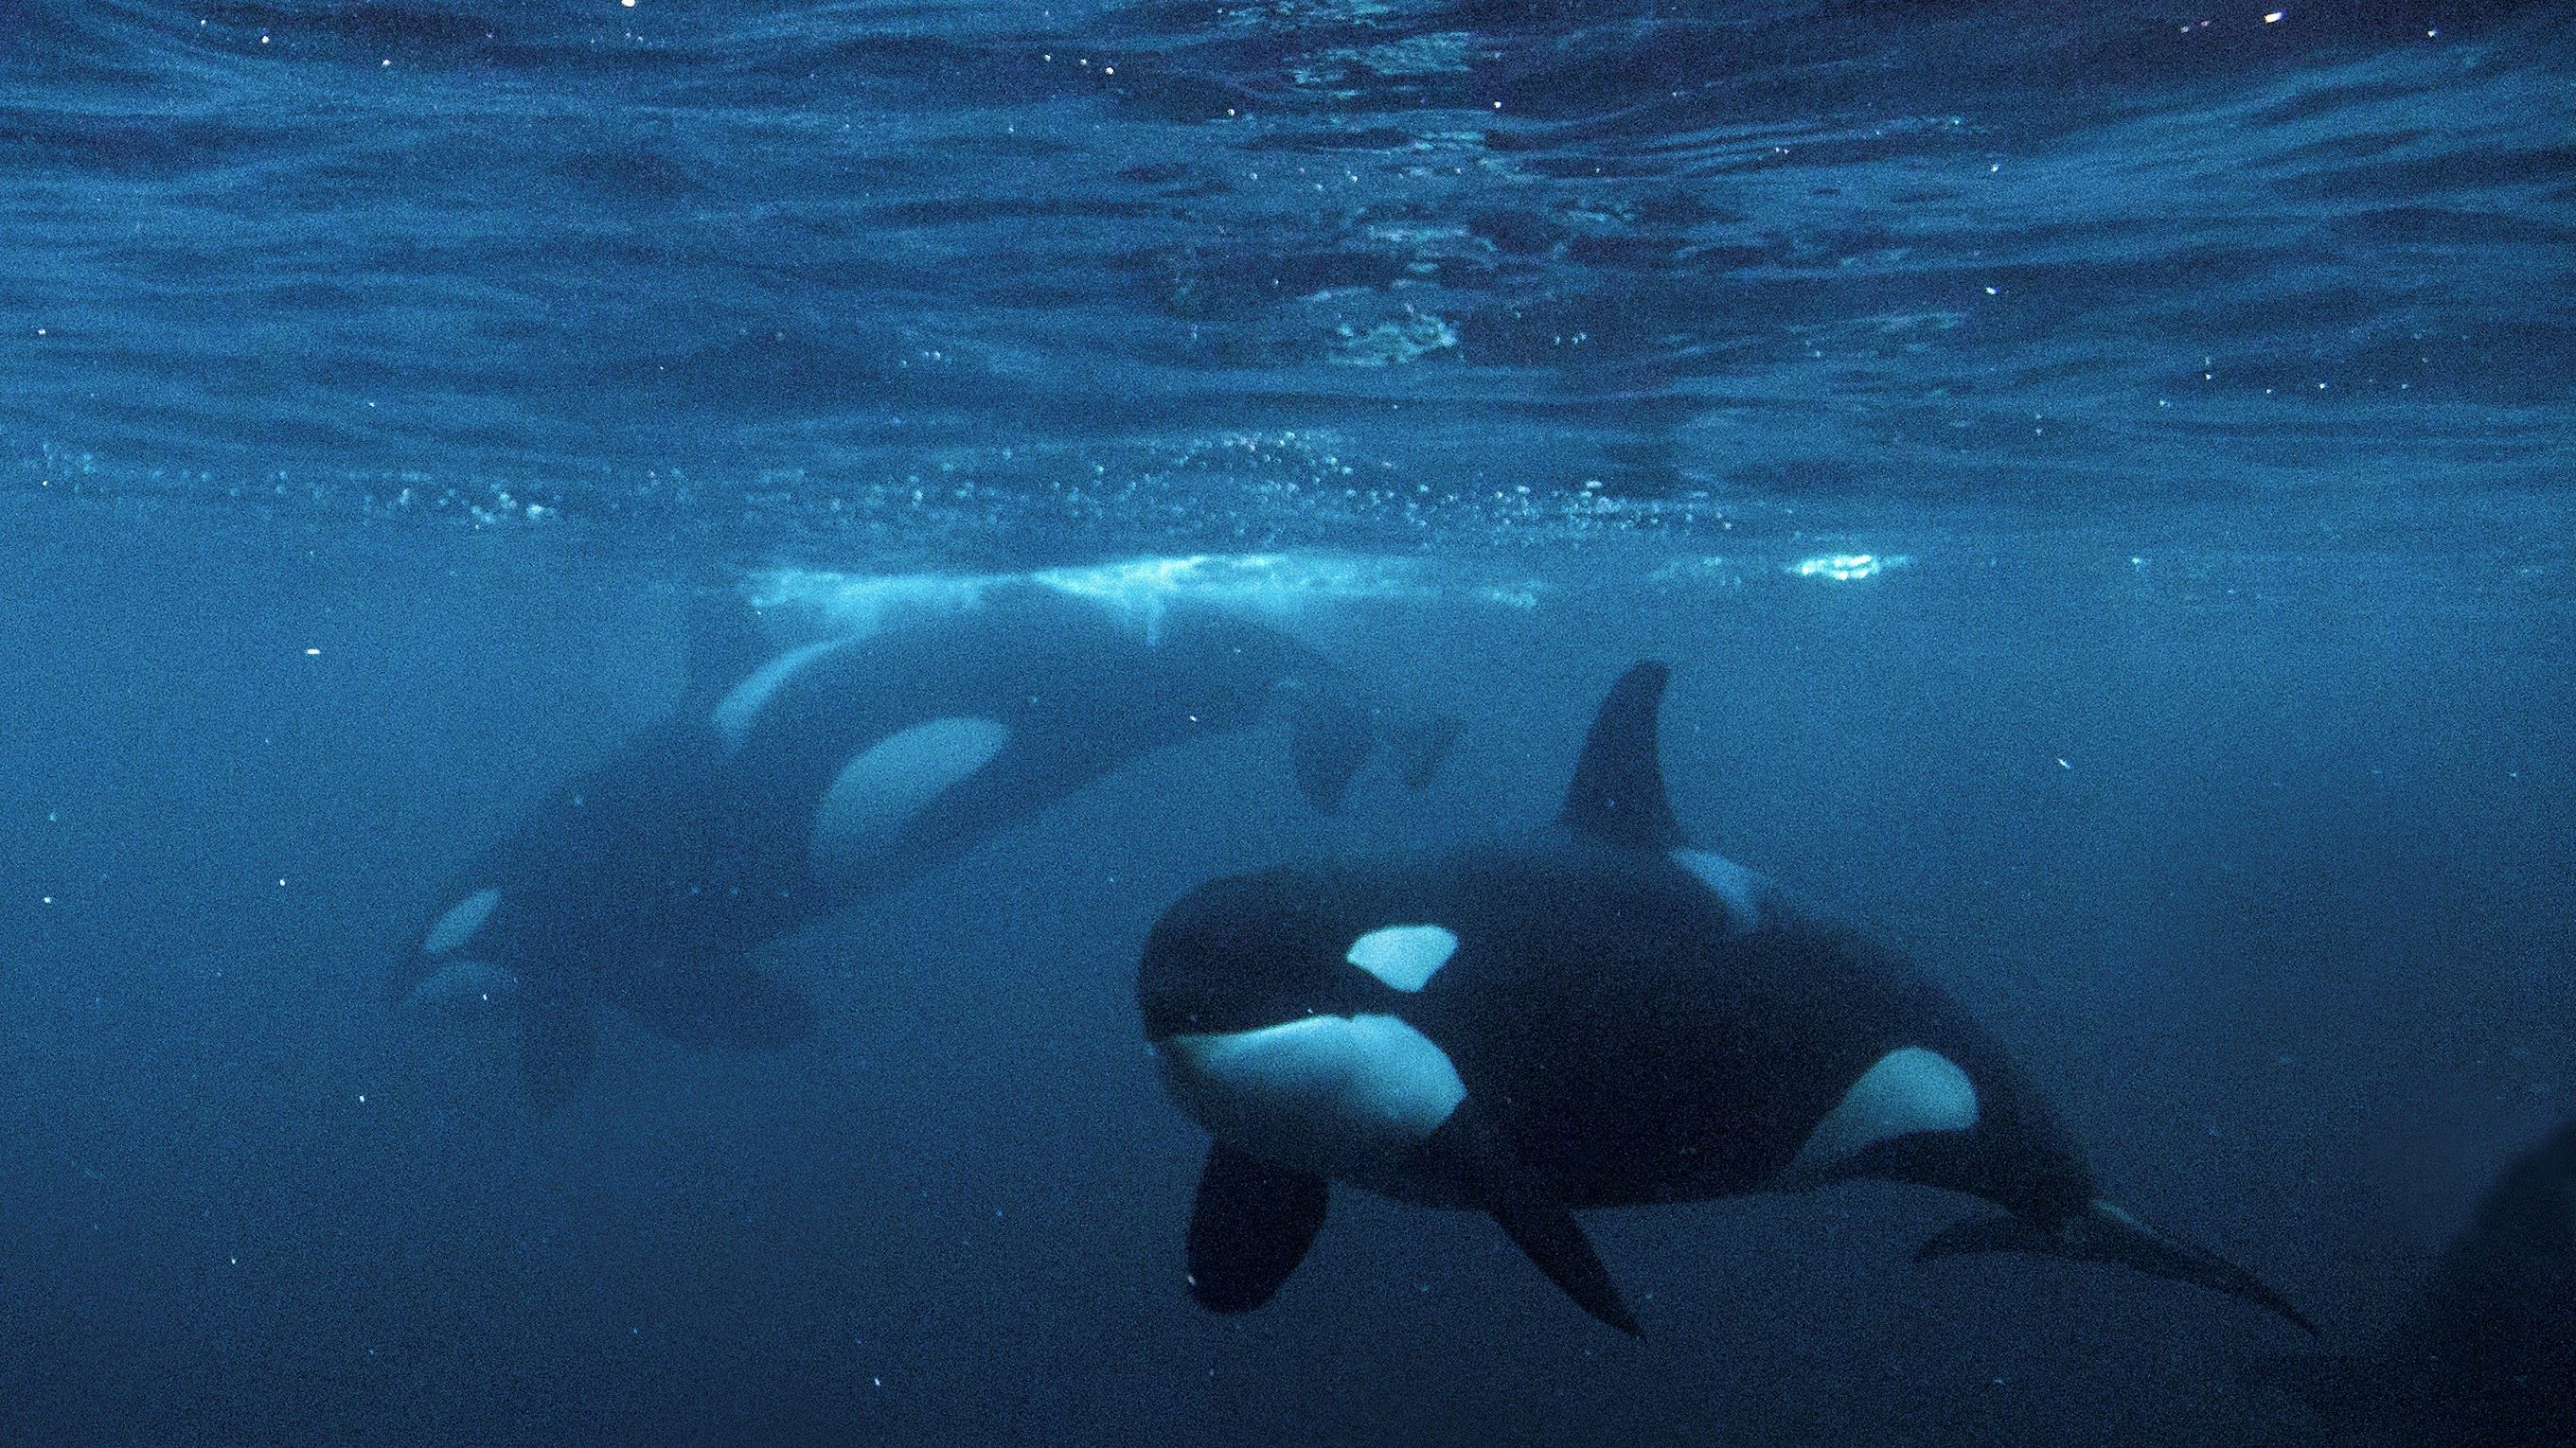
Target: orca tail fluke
1419 742
2104 1232
1328 739
1331 734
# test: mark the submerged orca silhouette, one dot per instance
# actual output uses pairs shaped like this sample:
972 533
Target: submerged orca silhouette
789 784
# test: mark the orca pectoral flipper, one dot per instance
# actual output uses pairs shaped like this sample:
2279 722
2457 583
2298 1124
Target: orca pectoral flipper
1550 1236
556 1049
1474 1157
2104 1232
1249 1228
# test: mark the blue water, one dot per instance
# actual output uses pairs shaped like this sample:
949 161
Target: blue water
379 384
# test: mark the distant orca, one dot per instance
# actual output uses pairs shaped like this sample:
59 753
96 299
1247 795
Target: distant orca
2487 1357
835 770
1591 1015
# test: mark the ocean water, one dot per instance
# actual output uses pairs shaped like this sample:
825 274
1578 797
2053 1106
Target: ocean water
2100 475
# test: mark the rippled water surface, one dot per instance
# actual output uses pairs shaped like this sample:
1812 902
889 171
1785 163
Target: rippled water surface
1038 279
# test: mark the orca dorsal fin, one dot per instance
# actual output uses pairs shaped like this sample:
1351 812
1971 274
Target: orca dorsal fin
1618 790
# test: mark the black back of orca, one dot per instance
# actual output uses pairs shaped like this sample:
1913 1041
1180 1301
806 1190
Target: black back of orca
1588 1016
1069 692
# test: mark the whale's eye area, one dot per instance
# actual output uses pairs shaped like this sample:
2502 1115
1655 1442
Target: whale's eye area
460 922
1404 956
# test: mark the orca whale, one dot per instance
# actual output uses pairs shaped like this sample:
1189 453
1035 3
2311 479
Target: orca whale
1589 1015
833 770
2486 1357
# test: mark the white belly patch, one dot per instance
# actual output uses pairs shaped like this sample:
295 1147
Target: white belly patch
740 708
1908 1091
1340 1096
1404 956
1745 892
460 922
879 792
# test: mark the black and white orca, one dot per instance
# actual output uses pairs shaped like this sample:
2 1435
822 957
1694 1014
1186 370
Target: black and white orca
1590 1015
831 771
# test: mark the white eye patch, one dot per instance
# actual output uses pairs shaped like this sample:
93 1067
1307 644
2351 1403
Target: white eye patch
460 922
1404 956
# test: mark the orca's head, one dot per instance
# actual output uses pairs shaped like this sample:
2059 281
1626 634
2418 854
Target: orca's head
1277 1006
455 968
1265 949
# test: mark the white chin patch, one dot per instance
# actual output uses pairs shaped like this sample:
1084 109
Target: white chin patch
466 987
460 922
1910 1090
740 708
1404 956
1340 1096
1745 892
879 792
